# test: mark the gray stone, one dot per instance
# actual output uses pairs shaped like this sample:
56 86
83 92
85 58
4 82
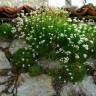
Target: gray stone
84 88
91 62
89 85
4 63
17 44
4 44
45 63
36 86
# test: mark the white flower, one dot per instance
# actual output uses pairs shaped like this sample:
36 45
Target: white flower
64 81
33 43
43 28
69 39
67 69
61 59
42 42
22 14
59 77
71 36
66 59
67 52
75 20
51 38
40 36
80 67
23 59
4 32
37 54
19 29
33 55
62 35
72 77
37 46
91 42
86 39
86 46
76 46
33 50
26 48
85 55
77 56
92 50
23 65
58 45
70 74
60 49
34 38
23 52
66 66
50 18
57 52
13 30
69 19
80 41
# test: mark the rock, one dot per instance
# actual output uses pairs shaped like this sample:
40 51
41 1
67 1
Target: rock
49 63
4 70
84 88
17 44
91 68
36 86
89 85
4 63
4 44
91 62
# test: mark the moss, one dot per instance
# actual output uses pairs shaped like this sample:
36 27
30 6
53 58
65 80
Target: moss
75 73
35 70
23 58
5 31
53 72
71 72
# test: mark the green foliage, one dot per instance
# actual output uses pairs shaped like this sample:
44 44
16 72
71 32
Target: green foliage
35 70
23 58
73 72
55 37
69 72
5 31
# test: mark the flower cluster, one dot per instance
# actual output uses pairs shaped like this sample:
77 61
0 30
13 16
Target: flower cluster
69 43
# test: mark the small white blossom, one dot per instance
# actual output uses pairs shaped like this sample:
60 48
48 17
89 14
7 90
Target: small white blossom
77 56
85 55
72 77
67 69
70 74
62 35
66 59
69 19
33 55
23 59
86 46
23 65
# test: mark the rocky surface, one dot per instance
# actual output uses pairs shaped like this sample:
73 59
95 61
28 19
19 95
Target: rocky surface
49 63
4 63
36 86
91 62
85 88
4 44
17 44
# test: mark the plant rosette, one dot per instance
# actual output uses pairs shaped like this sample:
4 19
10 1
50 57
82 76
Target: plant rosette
5 32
